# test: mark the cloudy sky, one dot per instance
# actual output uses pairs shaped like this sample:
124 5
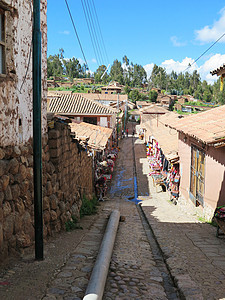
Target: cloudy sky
171 34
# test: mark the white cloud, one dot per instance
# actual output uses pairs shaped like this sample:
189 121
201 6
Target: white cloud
212 33
176 43
66 32
148 68
211 64
172 65
94 60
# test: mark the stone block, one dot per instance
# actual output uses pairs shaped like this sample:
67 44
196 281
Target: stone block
23 240
54 153
46 216
2 154
23 171
46 204
25 150
1 235
29 173
18 223
6 209
3 167
8 227
48 188
53 202
4 182
24 161
53 215
16 151
8 194
19 206
24 186
13 166
54 143
15 190
53 134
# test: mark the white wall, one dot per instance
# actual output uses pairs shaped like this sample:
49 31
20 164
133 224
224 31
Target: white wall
16 96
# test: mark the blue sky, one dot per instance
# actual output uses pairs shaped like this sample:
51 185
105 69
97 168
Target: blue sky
171 34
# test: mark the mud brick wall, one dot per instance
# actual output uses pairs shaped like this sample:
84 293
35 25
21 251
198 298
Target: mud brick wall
67 175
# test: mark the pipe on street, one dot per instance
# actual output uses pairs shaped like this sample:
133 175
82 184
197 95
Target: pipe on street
99 273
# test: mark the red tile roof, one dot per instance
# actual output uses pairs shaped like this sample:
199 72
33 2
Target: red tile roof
207 126
97 136
77 104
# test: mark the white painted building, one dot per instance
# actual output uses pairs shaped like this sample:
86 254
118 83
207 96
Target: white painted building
16 94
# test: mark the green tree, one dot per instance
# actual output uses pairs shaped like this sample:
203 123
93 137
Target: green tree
54 65
116 72
134 95
153 96
98 74
73 68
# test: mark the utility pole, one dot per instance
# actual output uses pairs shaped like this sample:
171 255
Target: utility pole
37 130
117 119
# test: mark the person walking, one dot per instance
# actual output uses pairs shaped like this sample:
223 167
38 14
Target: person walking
127 132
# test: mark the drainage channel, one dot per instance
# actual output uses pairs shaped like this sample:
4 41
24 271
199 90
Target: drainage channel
169 286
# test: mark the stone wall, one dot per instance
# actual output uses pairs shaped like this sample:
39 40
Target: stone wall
67 175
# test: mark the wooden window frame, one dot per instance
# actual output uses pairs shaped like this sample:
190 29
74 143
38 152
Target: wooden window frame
3 43
197 176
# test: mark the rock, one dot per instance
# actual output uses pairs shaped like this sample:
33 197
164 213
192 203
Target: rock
46 205
6 209
19 206
2 154
1 235
23 240
53 215
18 223
4 182
8 227
24 187
3 167
48 188
13 166
15 189
8 194
16 151
24 150
46 216
23 171
53 202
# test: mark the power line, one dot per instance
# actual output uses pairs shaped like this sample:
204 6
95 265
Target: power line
88 20
76 34
100 32
205 51
93 45
93 25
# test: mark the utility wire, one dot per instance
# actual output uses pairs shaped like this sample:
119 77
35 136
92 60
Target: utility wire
76 34
100 53
100 32
205 51
87 18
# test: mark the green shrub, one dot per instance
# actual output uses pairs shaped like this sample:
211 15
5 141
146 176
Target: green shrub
72 224
88 207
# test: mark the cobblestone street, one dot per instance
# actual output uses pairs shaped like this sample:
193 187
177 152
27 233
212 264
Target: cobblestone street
144 259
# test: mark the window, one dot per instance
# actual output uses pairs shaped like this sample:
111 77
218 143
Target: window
2 41
197 175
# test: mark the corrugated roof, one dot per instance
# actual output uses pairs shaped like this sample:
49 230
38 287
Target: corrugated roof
76 104
97 136
107 97
207 126
166 137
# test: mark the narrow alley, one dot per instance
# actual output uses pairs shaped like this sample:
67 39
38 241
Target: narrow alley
161 251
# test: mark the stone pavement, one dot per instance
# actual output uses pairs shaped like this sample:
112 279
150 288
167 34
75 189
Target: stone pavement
193 253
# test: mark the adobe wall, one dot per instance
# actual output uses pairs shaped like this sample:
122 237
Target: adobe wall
16 90
67 175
